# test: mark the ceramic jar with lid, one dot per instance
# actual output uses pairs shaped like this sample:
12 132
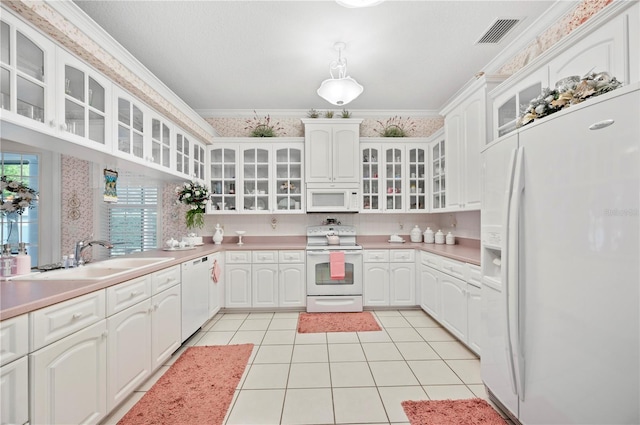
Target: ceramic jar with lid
439 237
450 239
416 234
428 236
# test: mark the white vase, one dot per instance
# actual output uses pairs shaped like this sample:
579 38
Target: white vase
218 235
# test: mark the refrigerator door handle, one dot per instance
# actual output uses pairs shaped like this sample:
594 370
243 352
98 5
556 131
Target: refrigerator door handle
504 270
516 307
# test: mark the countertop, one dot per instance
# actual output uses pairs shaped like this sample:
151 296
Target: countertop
22 296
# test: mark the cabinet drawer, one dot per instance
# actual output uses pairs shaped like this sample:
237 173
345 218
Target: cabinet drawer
376 255
291 256
124 295
474 275
431 260
403 255
164 279
453 268
52 323
14 338
238 257
265 256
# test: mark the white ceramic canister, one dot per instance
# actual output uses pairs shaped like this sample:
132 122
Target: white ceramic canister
439 237
450 239
428 235
416 234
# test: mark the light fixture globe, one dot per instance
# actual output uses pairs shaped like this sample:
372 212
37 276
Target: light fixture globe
343 89
340 91
358 3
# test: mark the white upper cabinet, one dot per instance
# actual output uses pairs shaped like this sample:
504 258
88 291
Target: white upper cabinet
131 124
438 182
199 160
251 177
394 175
332 151
27 75
161 145
84 106
183 153
466 124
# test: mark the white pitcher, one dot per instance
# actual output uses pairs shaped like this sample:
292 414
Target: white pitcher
217 236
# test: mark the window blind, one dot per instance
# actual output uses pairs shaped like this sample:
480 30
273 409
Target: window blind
132 223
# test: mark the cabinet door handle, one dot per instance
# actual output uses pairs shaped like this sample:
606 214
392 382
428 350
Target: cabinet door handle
601 124
104 334
76 316
135 293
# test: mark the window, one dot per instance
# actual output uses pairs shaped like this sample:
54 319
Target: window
14 227
132 222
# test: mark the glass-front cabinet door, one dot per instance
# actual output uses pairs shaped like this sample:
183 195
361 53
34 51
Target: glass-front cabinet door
255 173
198 161
160 142
393 178
131 126
438 175
27 68
223 163
371 178
85 100
417 175
183 155
288 181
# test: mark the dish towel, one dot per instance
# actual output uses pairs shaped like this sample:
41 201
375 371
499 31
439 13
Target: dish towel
215 273
336 265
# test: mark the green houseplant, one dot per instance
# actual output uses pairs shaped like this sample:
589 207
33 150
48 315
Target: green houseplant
196 197
262 127
396 127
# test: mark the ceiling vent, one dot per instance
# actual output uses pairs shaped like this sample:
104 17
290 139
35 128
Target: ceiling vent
497 31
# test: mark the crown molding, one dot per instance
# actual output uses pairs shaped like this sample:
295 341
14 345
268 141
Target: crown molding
302 113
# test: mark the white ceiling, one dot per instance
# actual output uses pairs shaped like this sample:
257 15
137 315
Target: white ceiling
272 55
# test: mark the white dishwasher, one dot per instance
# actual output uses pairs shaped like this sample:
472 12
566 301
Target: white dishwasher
195 295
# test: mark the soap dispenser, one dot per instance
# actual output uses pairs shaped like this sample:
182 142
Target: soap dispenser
439 237
217 236
416 234
428 235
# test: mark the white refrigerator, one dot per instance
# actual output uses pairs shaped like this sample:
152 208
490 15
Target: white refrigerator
561 265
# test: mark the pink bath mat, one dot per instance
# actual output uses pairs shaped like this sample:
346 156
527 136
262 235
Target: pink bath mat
473 411
337 322
197 388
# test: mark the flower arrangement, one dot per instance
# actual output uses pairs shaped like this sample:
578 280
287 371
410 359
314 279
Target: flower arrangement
568 91
196 197
396 127
262 127
15 196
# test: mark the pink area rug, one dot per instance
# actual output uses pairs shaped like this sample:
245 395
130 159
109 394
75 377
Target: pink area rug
337 322
473 411
197 388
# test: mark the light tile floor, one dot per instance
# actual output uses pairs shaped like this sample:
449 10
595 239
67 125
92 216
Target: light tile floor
336 378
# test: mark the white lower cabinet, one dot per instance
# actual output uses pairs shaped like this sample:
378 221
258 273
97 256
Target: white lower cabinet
474 318
265 279
264 287
14 388
68 378
453 298
128 351
165 325
291 285
389 278
429 291
450 293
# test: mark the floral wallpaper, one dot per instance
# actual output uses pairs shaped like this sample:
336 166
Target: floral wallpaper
77 202
585 10
292 127
173 215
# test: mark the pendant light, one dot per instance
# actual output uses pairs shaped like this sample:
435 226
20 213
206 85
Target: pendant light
342 89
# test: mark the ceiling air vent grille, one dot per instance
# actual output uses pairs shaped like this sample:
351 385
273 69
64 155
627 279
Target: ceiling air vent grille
498 30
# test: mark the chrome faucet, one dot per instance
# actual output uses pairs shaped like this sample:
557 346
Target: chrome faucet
81 245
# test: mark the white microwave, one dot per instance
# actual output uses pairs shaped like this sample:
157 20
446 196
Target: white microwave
333 199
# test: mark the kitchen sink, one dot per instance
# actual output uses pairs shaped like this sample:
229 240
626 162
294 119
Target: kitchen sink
98 270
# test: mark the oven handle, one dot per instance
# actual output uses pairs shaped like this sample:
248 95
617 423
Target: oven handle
317 253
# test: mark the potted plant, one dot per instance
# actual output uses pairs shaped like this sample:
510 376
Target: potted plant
262 127
396 127
313 113
345 114
328 114
196 197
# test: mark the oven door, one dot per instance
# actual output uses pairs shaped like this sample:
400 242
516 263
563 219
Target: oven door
319 280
